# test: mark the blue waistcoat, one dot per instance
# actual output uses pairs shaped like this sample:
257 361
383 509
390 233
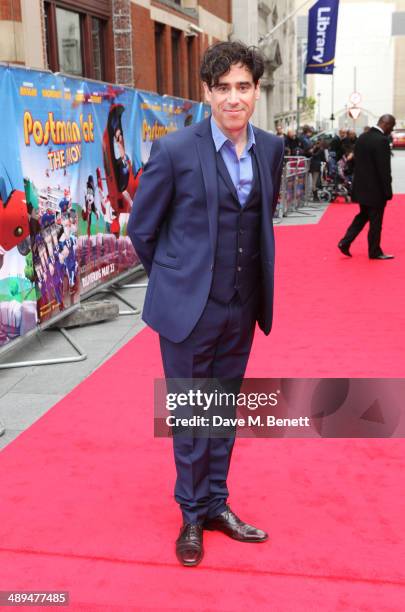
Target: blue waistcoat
237 265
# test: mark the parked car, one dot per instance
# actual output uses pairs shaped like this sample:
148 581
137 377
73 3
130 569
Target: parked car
326 136
398 139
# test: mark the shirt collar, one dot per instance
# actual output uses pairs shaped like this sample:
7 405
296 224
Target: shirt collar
220 139
377 127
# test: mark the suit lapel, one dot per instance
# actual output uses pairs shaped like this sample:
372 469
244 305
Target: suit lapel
266 187
207 155
223 171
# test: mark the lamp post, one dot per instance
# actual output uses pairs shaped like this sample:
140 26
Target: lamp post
300 99
332 115
319 111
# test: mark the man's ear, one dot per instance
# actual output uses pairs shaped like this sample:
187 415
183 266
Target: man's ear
207 92
257 92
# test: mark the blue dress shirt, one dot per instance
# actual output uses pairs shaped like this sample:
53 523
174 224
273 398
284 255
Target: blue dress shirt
240 169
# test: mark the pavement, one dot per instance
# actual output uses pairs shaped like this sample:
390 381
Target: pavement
26 393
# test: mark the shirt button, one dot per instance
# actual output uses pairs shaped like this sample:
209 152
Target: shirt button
239 269
240 250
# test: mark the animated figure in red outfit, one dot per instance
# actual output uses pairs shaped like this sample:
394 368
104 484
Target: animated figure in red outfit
14 223
121 181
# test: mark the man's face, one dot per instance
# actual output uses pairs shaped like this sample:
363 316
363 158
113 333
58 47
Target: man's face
233 99
342 133
388 126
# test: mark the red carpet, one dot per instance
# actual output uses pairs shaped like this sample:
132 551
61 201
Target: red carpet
336 316
86 493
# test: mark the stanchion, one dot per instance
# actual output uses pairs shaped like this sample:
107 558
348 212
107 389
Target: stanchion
294 187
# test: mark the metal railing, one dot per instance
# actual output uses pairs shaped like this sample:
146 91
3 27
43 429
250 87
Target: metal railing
295 185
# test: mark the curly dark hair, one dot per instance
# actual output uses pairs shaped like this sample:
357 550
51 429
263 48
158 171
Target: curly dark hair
219 58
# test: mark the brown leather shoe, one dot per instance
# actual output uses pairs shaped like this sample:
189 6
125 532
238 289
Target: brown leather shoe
189 544
232 526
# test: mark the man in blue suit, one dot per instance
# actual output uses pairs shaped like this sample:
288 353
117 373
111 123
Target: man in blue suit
201 224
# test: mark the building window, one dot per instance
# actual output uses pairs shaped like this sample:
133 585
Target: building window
69 42
75 41
97 36
176 61
190 68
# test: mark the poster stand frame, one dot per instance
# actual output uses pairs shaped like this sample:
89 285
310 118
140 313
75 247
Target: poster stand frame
112 286
81 355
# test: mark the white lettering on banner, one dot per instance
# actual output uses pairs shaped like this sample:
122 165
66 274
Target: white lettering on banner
321 28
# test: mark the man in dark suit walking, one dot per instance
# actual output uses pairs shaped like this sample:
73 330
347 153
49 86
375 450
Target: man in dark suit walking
371 186
201 224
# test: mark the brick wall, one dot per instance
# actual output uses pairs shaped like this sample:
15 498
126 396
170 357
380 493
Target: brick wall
43 34
122 37
219 9
143 48
10 10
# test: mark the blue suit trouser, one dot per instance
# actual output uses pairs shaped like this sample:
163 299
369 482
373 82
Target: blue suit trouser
218 347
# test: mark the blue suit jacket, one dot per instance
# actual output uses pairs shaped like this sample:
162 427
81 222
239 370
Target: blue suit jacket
173 226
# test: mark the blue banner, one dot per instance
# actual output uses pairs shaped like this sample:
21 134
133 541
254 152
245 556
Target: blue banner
157 116
322 26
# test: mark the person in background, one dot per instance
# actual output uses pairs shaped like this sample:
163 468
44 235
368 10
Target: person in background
372 186
336 144
349 141
292 143
306 143
317 158
346 165
280 131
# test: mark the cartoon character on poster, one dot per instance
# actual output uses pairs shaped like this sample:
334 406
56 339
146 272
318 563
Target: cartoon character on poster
17 291
119 175
89 204
103 248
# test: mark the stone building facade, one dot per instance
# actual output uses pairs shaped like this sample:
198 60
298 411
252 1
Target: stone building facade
253 20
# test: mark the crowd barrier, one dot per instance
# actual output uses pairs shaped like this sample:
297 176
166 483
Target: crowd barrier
71 154
295 185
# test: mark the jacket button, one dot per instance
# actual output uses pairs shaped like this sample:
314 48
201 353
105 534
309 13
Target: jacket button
240 250
239 269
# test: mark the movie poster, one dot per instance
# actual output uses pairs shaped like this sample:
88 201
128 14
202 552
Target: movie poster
72 153
18 296
157 116
105 181
49 145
